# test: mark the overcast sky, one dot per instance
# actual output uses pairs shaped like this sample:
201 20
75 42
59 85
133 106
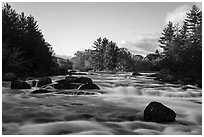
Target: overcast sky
70 27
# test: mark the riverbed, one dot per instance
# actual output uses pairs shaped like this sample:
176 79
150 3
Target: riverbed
116 109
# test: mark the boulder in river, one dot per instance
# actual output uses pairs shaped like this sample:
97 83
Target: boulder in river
136 74
83 80
63 84
9 77
18 84
44 81
88 86
157 112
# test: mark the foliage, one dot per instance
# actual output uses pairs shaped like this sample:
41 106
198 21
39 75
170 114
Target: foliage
24 49
183 46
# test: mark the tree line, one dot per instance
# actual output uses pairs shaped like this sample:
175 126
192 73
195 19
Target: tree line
181 56
182 47
24 49
107 56
26 53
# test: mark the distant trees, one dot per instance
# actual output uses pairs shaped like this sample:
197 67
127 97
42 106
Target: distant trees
106 55
24 48
183 46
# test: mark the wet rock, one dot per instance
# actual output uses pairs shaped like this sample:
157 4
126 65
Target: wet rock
44 81
83 80
157 112
66 85
152 75
199 83
74 72
40 91
9 77
34 83
17 84
185 87
165 76
88 86
136 74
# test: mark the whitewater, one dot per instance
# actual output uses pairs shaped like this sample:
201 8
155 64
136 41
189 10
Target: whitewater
116 109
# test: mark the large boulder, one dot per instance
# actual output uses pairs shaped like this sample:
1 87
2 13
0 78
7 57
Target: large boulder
88 86
63 84
83 80
9 77
44 81
157 112
17 84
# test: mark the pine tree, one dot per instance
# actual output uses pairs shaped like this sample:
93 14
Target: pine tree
110 56
168 37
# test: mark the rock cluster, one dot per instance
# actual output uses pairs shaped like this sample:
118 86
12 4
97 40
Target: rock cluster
46 86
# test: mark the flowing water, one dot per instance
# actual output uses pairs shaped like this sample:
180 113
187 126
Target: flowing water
116 109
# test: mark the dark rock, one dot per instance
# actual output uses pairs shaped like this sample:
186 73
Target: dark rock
17 84
152 75
44 81
34 83
185 87
199 83
67 85
136 74
165 76
79 73
9 77
40 91
83 80
157 112
88 86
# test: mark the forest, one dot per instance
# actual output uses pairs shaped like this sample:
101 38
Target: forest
26 53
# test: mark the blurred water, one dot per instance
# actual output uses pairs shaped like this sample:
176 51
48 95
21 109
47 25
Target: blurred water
115 109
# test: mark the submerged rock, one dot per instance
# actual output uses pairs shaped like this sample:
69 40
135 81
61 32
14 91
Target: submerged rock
44 81
88 86
9 77
17 84
157 112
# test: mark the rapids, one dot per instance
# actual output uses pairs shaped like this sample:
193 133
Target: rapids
116 109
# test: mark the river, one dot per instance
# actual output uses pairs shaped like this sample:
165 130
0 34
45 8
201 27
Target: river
116 109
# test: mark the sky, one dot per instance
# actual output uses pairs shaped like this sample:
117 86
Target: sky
70 27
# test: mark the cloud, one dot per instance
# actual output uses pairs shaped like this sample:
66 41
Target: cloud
177 15
143 44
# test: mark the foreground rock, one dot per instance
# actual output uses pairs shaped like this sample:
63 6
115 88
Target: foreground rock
17 84
9 77
88 86
157 112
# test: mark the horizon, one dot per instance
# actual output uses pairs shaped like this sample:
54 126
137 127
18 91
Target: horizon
70 27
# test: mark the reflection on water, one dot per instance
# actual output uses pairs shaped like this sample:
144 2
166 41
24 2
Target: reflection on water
115 109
